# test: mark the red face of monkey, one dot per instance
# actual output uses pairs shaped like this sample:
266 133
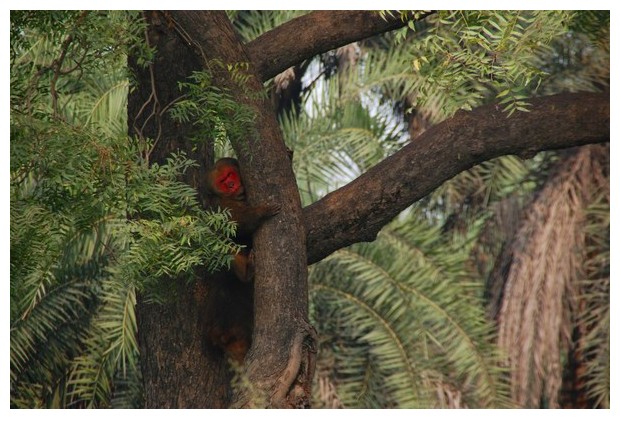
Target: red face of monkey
225 178
228 181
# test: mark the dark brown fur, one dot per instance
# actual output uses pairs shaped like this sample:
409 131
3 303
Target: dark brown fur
228 301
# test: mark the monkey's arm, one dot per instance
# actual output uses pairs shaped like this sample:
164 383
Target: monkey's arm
249 218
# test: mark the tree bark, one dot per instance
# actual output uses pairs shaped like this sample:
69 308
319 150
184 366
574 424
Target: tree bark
281 48
280 361
176 371
356 212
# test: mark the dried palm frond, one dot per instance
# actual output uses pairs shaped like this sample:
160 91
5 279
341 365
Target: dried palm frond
539 298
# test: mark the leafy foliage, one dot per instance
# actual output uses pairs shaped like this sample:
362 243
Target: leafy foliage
336 143
403 325
404 321
92 224
477 53
216 116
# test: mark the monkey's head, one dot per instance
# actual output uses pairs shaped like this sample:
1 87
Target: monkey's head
224 179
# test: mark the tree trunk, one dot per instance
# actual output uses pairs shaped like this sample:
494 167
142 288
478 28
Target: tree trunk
176 372
279 367
280 363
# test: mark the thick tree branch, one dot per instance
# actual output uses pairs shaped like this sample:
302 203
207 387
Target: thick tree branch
278 49
280 281
357 211
283 348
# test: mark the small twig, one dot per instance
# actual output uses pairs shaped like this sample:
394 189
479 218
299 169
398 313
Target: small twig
314 81
152 99
56 65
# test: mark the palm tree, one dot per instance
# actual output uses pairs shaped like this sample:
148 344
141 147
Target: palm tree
436 312
353 122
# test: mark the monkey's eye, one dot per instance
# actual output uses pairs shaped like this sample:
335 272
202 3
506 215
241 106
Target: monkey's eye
227 179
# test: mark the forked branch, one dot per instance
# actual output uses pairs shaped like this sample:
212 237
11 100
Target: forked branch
278 49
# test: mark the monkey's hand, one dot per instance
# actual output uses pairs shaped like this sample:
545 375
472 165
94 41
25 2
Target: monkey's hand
243 266
270 210
249 218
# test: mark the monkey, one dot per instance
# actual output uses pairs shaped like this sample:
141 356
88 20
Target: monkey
228 317
223 181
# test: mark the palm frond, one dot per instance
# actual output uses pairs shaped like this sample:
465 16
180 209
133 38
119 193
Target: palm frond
101 103
336 142
594 320
112 351
541 290
394 309
45 341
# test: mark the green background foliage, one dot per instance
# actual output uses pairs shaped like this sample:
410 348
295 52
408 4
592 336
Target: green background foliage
92 224
405 321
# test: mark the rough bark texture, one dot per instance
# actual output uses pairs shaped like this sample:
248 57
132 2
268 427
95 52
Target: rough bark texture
281 48
356 212
176 371
280 362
